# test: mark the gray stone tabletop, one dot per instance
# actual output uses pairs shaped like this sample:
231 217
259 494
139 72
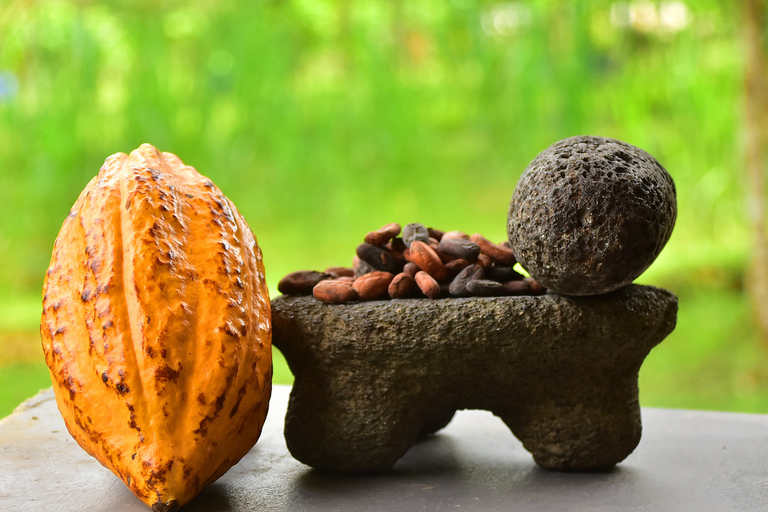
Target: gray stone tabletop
686 461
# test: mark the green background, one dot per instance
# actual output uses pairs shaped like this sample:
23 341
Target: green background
322 120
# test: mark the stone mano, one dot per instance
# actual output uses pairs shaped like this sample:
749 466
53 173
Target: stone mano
590 214
371 378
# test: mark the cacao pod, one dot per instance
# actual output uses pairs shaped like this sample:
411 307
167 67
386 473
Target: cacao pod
156 327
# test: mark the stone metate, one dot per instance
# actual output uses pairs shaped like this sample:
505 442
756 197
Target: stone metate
371 378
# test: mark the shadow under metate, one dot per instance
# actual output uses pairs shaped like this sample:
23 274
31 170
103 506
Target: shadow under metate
437 472
473 464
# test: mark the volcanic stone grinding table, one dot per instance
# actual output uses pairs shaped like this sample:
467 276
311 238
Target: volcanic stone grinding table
373 377
686 461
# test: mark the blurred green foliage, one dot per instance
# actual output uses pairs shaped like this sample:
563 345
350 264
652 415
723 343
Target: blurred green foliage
324 119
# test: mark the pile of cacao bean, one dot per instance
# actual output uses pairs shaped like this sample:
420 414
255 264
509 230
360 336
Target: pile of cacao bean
420 262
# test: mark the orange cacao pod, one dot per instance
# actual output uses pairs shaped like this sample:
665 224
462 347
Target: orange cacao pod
156 327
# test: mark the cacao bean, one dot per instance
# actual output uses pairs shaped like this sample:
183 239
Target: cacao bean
396 253
460 235
435 233
435 245
484 260
500 253
445 258
379 258
332 291
397 245
383 234
415 231
502 273
427 285
536 287
458 287
455 266
411 269
427 259
516 288
340 272
460 248
301 282
361 267
448 263
373 285
484 287
401 286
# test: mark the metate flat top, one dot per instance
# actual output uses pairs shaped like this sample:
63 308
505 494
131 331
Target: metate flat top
686 461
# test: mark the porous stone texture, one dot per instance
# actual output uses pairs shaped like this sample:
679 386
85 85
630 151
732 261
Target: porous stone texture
590 214
371 378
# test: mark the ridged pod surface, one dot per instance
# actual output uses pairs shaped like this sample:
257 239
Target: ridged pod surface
156 327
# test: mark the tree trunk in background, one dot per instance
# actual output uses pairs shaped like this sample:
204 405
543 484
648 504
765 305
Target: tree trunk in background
757 154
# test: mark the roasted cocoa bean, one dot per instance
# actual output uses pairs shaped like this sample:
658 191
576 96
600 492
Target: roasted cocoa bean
446 263
415 231
435 233
373 285
401 286
427 259
484 260
458 286
396 255
361 267
332 291
516 288
502 273
379 258
411 269
460 248
397 245
455 266
484 287
337 272
383 235
396 249
445 258
301 282
427 285
460 235
536 287
500 253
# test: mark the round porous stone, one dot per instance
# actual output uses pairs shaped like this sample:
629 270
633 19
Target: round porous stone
590 214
